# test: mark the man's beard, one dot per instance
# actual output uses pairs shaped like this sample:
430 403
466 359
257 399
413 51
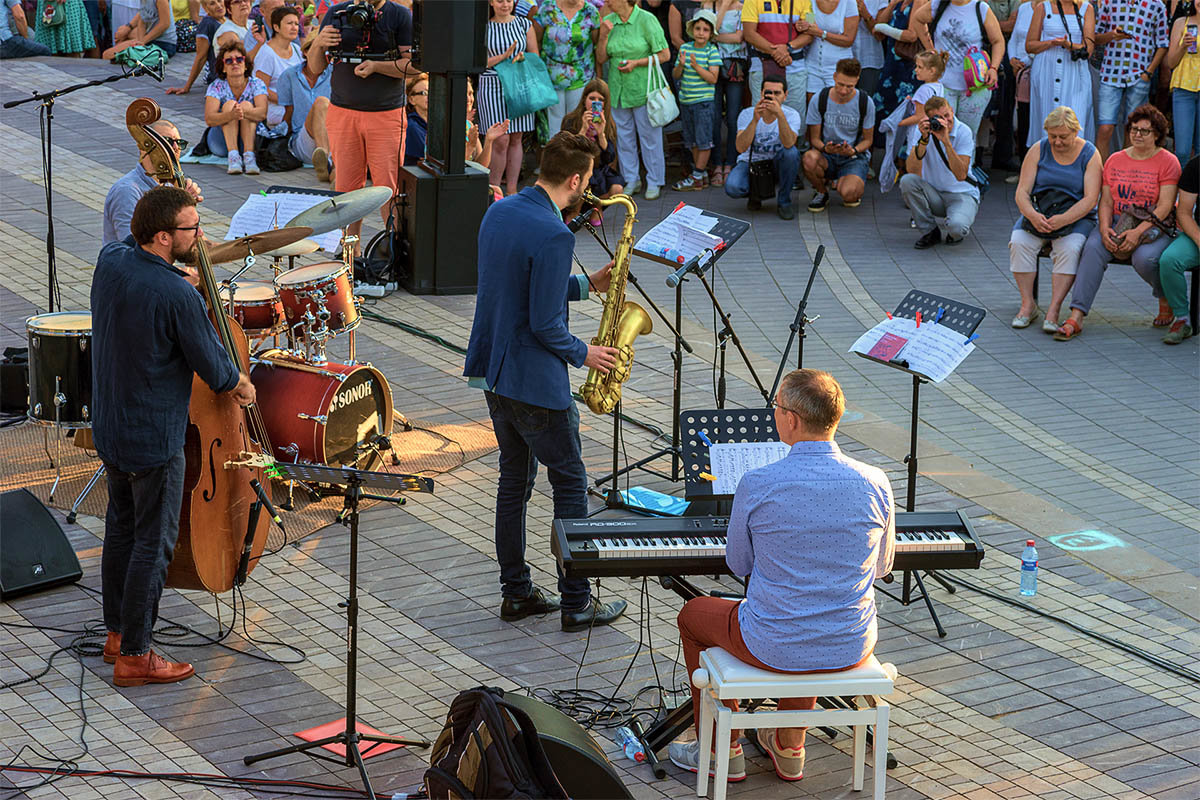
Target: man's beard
577 196
185 255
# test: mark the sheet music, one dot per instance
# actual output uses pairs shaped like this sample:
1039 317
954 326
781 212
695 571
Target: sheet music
729 461
686 232
931 350
262 212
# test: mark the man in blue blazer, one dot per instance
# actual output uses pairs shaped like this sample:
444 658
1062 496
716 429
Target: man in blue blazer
519 351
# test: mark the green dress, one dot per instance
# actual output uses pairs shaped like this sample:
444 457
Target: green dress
74 35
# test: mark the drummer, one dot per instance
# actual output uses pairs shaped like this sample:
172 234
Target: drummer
129 188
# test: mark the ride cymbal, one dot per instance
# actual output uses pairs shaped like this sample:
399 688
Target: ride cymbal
346 208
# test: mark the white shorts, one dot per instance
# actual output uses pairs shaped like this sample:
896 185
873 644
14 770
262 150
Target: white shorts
302 145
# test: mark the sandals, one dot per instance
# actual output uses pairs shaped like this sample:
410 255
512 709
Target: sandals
717 178
1164 319
1068 330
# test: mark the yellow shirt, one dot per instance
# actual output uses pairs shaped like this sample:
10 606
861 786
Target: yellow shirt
180 10
1187 75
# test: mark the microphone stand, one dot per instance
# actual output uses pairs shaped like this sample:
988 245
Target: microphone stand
47 111
797 326
727 332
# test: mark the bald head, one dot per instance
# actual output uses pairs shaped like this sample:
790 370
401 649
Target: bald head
168 131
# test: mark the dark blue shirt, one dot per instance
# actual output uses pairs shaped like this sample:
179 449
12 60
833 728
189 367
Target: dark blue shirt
414 139
150 333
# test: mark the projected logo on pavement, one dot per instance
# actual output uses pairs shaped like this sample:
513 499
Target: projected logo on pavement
1086 540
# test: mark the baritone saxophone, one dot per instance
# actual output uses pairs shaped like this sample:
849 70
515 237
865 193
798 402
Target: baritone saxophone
622 321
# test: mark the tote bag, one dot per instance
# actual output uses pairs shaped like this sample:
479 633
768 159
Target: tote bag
660 103
526 85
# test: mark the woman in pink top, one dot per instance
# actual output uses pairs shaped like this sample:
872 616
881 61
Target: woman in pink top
1144 174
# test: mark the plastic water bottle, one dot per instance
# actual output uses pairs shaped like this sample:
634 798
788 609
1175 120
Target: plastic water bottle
628 741
1029 561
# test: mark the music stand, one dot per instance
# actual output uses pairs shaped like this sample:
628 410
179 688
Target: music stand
354 480
961 318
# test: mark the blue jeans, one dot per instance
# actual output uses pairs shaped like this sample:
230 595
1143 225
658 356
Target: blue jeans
1117 103
140 530
529 434
729 96
1185 107
18 46
787 164
216 143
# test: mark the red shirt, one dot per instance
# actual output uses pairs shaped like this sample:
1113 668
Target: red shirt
1137 183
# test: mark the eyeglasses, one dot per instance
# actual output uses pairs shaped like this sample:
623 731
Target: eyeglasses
785 408
235 59
1141 131
193 228
422 93
180 143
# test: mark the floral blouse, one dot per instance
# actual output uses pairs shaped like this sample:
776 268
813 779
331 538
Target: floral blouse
220 90
567 45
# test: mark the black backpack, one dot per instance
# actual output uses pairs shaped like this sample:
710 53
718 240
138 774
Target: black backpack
823 104
489 749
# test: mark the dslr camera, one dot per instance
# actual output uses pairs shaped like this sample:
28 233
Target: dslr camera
1079 52
356 24
935 124
359 15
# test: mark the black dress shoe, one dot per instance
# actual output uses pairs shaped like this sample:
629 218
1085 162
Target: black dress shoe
594 615
753 203
515 608
929 239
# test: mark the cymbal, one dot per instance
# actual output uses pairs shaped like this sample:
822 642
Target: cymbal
258 243
300 248
346 208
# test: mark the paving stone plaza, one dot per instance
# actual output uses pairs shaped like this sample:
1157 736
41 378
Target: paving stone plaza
1030 438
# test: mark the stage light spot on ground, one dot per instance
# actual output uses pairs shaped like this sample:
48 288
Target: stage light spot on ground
1086 540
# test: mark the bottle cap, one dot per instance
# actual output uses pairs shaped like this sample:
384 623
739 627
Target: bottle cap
1029 543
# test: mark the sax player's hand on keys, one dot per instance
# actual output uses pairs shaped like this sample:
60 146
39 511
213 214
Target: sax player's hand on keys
602 277
601 358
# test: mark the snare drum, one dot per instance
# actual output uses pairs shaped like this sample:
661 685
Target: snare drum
256 307
321 414
317 288
60 368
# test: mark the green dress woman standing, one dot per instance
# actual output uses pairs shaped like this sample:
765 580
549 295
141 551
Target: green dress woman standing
70 36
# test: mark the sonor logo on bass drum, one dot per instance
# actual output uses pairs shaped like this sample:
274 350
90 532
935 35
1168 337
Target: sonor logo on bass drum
351 395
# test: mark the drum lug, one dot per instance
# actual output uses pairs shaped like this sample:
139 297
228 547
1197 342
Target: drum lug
85 412
83 343
37 409
320 419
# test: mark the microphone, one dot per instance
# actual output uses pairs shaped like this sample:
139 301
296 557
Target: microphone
579 220
266 501
697 264
157 71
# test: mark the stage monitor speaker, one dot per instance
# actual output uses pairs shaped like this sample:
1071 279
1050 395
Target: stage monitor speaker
581 766
440 217
34 551
450 35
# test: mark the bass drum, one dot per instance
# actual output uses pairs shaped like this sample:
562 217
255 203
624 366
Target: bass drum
321 414
60 368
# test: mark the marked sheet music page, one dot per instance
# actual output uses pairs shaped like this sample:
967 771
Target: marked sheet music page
262 212
731 460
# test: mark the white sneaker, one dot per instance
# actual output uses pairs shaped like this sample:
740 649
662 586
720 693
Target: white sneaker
235 163
687 756
633 189
653 192
250 163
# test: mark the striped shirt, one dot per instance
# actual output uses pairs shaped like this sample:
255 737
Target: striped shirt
692 87
776 21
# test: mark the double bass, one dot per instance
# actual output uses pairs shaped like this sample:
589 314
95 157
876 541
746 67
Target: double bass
226 444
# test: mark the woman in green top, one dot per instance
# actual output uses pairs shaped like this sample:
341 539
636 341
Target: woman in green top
629 38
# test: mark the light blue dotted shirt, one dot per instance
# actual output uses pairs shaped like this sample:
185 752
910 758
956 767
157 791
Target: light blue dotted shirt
813 531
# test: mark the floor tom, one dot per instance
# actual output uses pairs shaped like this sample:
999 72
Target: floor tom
60 368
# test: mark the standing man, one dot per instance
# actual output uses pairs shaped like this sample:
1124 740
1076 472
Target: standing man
768 131
123 196
1135 37
366 120
938 184
841 130
769 27
519 351
15 41
150 333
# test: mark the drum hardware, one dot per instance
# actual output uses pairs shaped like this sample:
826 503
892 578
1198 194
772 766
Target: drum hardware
342 210
263 242
91 484
320 419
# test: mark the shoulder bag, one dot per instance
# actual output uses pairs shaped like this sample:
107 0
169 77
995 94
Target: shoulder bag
660 103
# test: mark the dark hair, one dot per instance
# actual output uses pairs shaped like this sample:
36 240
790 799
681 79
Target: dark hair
156 212
780 79
574 120
278 14
814 396
567 154
231 48
849 67
229 4
1148 112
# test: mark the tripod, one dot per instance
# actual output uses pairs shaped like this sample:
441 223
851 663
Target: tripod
353 480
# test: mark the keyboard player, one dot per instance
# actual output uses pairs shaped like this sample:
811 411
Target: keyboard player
813 532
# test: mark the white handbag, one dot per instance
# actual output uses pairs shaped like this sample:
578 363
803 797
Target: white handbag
660 103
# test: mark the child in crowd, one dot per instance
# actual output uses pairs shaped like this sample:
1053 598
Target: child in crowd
696 72
930 65
593 118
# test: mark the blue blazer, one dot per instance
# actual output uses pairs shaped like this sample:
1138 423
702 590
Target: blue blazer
520 343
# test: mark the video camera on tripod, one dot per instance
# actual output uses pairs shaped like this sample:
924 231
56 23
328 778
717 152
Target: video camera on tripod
356 24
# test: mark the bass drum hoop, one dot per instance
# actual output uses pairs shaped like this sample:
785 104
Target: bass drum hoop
34 330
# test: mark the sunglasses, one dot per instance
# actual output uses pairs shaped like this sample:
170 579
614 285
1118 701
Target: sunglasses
180 143
235 60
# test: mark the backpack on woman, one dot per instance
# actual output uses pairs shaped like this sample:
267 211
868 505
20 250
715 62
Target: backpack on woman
976 62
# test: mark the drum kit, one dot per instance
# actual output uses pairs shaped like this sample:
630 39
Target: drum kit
316 409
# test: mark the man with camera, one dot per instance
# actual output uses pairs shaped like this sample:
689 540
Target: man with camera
368 41
938 183
841 129
767 156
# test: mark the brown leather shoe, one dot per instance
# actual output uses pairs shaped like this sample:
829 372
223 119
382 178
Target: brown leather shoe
150 668
112 648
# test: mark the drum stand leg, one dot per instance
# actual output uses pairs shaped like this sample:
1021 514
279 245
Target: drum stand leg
91 484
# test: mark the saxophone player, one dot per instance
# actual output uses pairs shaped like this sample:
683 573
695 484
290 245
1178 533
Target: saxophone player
518 354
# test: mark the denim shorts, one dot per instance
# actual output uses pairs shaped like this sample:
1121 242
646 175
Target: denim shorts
841 166
697 124
1117 102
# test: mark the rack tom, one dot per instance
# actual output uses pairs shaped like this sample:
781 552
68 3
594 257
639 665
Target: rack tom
60 368
323 291
256 306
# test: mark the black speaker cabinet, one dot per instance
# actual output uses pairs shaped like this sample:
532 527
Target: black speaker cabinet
440 220
581 766
34 551
450 35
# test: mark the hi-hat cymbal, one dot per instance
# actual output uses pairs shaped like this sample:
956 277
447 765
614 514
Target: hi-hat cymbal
346 208
258 243
300 248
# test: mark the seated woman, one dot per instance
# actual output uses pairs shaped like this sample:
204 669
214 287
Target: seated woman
206 47
154 24
593 118
233 106
417 92
276 55
1182 254
1144 175
1056 195
814 531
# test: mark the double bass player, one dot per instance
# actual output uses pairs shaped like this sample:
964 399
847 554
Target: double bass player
151 333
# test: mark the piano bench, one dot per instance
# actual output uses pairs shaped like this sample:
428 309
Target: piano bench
723 677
